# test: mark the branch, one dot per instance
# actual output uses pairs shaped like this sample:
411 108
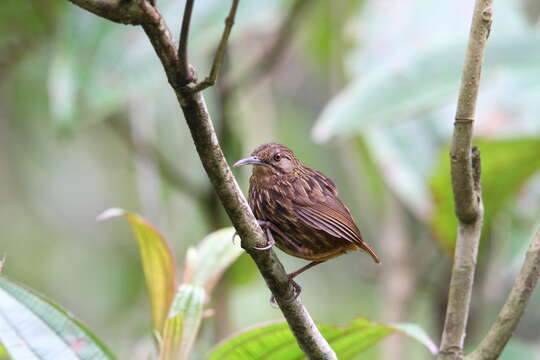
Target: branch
207 145
218 58
188 74
120 11
465 169
270 57
492 345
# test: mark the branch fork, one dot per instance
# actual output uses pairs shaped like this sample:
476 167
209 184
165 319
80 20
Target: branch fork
180 76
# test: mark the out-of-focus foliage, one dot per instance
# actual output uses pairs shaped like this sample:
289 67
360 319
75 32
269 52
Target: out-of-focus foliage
87 120
206 263
275 341
32 327
506 166
157 261
183 322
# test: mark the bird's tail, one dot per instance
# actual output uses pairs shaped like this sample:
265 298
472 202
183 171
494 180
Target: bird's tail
364 246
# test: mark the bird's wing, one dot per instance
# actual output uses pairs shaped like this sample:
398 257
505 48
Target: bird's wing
323 210
332 217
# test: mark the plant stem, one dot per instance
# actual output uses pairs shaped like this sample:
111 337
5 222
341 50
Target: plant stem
465 169
206 142
502 329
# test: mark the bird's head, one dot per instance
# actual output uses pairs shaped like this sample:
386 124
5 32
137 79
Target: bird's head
271 159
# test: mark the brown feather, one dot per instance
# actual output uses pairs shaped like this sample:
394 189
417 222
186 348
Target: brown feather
303 204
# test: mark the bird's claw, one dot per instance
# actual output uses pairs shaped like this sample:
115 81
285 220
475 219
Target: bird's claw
297 289
234 236
268 245
265 225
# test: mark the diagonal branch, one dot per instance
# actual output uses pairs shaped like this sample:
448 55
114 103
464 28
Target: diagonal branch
465 169
206 142
120 11
218 58
502 329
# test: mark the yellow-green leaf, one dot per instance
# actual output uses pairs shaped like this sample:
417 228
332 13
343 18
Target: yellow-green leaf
275 341
183 323
212 256
158 264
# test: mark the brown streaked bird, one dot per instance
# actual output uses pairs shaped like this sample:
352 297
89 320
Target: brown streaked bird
299 208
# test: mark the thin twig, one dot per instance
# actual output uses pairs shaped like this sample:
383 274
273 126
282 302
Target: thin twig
502 329
187 74
218 58
465 169
271 56
206 142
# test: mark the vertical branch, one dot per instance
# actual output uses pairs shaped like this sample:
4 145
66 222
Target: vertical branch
271 56
465 170
502 329
183 43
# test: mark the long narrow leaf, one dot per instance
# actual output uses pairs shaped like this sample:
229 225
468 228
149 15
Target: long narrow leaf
183 322
158 264
32 327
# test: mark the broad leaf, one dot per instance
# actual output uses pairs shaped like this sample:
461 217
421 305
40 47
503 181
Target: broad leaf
275 341
32 327
212 256
158 264
183 323
506 166
392 94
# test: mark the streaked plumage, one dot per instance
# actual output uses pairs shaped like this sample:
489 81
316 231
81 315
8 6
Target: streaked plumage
303 204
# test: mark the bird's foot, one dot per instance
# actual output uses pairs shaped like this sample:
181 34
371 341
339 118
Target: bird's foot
266 226
297 289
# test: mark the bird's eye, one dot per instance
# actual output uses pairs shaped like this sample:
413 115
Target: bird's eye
277 157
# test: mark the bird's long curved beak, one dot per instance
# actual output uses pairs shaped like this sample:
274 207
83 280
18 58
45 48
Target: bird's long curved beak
252 160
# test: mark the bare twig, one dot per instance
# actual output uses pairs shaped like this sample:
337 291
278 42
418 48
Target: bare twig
270 57
236 206
188 75
502 329
465 166
218 58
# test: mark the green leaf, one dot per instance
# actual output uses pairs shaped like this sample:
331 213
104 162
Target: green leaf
183 322
506 166
3 353
32 327
212 256
158 264
390 94
275 341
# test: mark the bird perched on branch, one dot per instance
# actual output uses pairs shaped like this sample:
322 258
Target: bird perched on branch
299 209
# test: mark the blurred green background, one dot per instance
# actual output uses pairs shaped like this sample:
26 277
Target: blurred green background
363 91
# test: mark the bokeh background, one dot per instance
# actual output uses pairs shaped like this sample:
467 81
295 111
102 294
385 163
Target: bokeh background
363 91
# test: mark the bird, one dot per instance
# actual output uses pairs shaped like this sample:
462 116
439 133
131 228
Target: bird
299 210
